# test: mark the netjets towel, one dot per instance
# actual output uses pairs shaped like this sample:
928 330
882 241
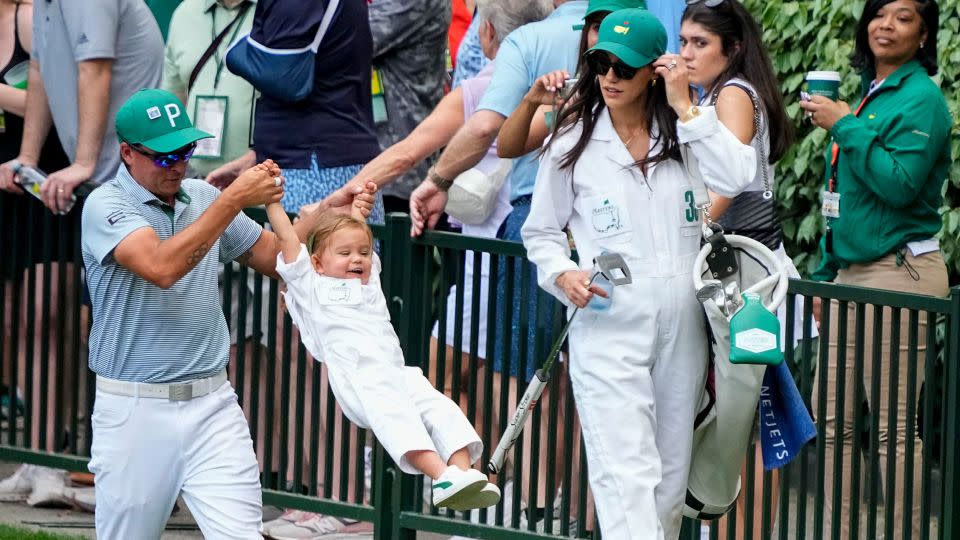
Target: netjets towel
785 423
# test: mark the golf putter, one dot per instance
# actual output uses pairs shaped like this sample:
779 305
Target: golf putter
613 267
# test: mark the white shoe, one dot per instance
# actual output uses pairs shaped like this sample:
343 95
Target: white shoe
48 487
17 486
286 518
456 488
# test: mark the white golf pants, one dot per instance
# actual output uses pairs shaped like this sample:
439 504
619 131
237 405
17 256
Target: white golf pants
147 451
637 371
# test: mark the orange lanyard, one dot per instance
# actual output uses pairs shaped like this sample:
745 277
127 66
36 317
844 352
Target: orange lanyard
835 150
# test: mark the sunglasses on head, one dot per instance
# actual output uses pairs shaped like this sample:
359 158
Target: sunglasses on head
166 160
708 3
599 64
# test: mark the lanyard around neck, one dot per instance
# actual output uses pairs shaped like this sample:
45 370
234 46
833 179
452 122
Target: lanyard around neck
835 149
236 23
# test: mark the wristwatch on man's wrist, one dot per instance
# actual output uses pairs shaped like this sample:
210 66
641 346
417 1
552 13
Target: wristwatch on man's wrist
443 184
690 114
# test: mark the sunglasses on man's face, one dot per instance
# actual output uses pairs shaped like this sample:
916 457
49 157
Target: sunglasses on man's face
167 160
599 64
708 3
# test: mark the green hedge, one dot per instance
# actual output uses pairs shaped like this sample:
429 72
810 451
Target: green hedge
819 34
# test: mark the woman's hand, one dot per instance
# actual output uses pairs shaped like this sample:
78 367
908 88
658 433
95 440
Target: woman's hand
673 71
545 88
824 112
576 285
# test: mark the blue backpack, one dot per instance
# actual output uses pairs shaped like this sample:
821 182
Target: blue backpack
284 74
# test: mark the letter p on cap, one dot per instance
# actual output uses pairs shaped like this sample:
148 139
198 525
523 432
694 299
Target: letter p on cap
173 111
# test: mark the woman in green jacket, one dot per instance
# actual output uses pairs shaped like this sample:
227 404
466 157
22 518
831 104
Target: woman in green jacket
886 166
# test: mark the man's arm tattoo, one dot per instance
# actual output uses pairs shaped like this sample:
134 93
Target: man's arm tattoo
198 254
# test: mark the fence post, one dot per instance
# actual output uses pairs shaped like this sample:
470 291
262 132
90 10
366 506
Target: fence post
950 466
397 493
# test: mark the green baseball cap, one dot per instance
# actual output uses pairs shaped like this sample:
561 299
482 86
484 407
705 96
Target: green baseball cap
597 6
157 120
634 35
612 5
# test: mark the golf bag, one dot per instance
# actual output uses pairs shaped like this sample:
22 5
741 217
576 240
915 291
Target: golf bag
728 405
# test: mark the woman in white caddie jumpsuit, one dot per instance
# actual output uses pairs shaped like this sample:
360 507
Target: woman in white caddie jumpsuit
612 175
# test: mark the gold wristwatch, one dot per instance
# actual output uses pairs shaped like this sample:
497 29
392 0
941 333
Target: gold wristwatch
442 183
690 114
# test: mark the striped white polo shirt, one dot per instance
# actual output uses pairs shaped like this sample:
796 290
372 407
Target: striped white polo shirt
143 333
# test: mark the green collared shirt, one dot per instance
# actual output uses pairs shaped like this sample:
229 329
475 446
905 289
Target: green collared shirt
894 157
193 27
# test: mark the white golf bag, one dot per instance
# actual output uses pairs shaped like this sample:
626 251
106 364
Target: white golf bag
727 412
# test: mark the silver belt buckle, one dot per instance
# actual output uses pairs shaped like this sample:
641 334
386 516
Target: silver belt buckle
181 392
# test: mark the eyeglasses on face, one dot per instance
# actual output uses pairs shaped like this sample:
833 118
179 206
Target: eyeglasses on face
166 160
708 3
599 64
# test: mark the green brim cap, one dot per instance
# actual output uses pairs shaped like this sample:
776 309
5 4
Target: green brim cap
634 35
613 5
156 119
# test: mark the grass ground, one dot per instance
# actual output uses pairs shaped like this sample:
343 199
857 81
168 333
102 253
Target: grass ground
14 533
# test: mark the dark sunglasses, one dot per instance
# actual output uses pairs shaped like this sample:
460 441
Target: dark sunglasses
599 64
165 161
708 3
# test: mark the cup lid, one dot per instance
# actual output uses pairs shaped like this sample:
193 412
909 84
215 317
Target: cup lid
824 75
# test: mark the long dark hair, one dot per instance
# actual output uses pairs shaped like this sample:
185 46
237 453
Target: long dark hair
862 58
594 18
586 106
748 59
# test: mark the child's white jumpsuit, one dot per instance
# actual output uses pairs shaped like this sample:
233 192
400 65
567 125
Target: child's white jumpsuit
637 368
346 325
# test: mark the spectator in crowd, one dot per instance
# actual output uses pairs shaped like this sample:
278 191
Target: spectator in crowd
623 129
462 18
81 69
34 484
408 61
470 55
217 101
334 127
152 241
886 166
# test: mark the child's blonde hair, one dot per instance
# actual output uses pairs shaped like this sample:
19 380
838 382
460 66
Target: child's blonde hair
329 223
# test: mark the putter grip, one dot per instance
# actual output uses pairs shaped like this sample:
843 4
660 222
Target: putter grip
515 427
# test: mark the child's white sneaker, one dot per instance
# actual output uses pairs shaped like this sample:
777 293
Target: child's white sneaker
488 496
456 487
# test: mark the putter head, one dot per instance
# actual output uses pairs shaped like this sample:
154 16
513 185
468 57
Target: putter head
734 302
614 268
709 290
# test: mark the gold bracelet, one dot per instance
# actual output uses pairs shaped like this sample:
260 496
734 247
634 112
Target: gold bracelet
690 114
